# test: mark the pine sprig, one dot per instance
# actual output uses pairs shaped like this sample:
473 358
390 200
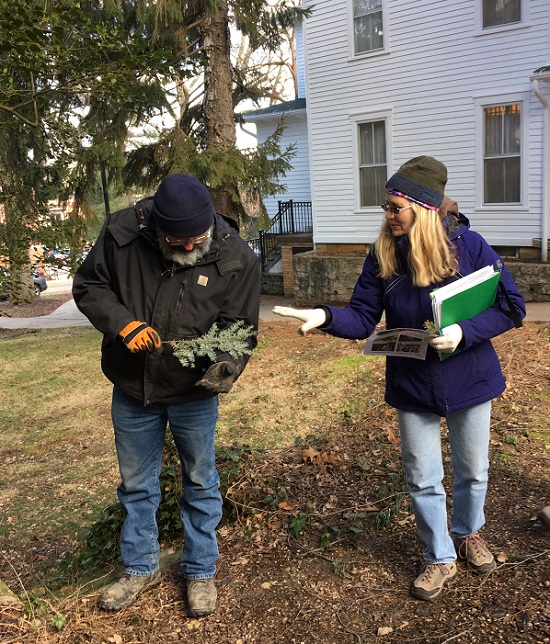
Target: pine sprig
233 340
430 327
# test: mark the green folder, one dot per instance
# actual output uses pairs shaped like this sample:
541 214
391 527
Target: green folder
465 298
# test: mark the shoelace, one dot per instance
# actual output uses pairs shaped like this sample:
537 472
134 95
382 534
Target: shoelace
475 542
429 569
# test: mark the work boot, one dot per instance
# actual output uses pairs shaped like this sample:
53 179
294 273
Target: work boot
431 580
124 591
202 597
475 552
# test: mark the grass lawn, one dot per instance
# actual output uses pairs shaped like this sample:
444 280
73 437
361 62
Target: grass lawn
58 464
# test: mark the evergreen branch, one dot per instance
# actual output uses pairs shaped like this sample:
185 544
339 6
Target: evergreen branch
233 340
430 327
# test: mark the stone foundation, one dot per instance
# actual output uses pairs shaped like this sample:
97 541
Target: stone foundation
532 279
272 284
329 279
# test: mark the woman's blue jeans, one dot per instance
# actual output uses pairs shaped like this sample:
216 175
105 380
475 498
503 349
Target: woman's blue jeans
139 438
423 462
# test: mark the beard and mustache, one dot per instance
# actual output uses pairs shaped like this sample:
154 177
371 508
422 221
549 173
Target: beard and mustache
179 255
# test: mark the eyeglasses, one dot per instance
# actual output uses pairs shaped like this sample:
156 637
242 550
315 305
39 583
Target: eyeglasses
179 241
393 209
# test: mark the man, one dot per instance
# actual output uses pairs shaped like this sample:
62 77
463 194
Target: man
167 269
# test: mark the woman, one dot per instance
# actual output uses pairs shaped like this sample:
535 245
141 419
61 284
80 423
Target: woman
426 243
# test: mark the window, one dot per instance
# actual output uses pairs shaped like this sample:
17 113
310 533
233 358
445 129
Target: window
501 12
368 25
373 171
502 154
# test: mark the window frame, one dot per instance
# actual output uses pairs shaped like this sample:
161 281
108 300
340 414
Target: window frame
497 100
356 120
359 55
480 30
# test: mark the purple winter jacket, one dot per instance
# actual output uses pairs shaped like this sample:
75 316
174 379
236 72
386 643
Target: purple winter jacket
468 378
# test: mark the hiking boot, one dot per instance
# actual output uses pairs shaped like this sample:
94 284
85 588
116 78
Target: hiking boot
475 552
124 591
202 597
431 580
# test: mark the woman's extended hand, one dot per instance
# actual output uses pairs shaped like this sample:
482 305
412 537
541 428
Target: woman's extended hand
449 340
311 317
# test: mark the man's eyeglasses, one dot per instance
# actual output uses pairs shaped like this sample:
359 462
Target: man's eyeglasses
179 241
393 209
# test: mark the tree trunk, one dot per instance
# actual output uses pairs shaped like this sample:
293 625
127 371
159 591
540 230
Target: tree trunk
18 244
218 105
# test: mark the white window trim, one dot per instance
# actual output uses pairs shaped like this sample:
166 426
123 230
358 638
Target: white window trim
481 102
351 35
357 119
480 31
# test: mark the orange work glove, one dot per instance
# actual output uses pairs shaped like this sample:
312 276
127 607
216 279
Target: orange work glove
139 335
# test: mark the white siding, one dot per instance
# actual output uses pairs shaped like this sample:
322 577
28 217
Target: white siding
297 180
300 62
438 69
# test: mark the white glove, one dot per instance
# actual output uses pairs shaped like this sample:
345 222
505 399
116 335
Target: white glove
312 317
449 340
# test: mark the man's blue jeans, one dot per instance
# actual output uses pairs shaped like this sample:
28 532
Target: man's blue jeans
139 438
423 462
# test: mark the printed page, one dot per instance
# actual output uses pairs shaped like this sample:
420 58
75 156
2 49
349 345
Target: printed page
404 343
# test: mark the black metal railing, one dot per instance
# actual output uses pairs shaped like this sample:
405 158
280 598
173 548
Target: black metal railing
293 217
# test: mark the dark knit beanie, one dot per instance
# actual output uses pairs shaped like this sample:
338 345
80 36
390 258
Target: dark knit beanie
182 206
421 180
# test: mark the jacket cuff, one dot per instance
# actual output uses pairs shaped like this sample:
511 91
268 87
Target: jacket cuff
328 314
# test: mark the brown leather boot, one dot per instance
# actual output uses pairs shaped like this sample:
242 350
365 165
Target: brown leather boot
202 597
124 591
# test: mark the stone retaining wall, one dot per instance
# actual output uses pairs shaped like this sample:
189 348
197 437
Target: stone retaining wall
330 279
272 284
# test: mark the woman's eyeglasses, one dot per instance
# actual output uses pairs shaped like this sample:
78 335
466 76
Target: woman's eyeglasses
393 209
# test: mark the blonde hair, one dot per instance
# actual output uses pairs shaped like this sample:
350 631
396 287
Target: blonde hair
431 256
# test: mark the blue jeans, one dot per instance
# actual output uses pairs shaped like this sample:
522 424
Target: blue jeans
139 438
423 463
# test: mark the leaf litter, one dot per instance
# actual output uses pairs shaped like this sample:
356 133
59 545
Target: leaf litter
320 544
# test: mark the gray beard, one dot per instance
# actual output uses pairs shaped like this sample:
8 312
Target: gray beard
179 255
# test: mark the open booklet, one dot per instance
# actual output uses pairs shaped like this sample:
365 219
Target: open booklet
404 343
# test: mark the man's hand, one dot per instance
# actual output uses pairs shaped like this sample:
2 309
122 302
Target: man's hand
138 336
449 340
220 377
313 318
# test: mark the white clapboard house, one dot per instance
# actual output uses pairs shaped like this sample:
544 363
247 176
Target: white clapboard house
381 81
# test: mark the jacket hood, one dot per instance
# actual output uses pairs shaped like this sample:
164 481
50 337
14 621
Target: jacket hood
454 222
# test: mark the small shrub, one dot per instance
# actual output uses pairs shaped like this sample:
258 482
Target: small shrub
297 526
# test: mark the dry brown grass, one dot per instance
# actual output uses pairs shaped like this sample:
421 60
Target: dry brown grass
277 583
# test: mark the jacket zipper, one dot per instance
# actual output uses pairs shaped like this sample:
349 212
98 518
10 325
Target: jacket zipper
181 293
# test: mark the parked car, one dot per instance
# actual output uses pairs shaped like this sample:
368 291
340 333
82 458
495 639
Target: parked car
38 278
57 255
60 256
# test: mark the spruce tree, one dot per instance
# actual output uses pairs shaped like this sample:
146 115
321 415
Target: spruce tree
203 140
